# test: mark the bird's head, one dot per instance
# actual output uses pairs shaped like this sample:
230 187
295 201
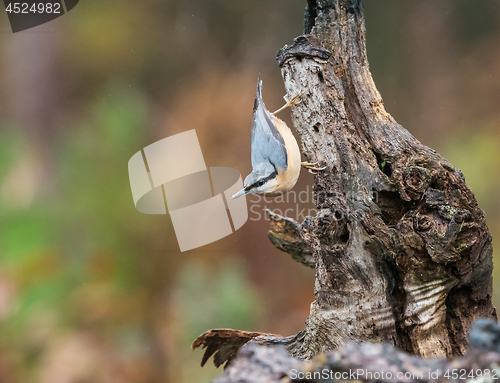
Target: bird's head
259 181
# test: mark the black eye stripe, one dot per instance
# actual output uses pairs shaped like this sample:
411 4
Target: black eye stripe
262 181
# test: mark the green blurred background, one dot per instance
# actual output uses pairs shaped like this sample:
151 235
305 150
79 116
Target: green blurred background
93 291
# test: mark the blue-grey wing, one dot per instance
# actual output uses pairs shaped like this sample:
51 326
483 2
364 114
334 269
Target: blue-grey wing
267 143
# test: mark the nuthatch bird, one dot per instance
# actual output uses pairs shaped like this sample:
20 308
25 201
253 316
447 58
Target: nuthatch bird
275 153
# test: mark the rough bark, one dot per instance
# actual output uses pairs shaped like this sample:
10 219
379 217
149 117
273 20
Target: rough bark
284 233
369 363
402 252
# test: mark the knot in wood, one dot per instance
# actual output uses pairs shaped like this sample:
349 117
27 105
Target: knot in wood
416 180
462 216
422 223
324 224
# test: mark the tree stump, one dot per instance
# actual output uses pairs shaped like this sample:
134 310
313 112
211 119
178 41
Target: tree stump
401 249
370 363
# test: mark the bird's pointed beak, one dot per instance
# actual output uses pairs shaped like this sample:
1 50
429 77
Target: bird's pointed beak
239 194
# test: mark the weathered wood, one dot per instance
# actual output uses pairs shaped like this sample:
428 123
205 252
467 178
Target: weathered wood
223 344
284 233
402 251
403 254
369 363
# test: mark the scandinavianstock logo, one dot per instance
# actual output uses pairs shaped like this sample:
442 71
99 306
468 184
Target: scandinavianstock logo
31 13
171 175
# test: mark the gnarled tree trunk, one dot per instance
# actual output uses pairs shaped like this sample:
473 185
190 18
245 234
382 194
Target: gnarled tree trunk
401 249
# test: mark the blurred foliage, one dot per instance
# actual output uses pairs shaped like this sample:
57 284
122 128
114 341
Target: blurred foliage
93 291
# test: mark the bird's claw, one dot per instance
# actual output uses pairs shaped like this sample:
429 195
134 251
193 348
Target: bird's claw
292 102
313 168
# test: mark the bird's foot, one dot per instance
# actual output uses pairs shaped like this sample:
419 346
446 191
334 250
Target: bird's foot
313 168
293 101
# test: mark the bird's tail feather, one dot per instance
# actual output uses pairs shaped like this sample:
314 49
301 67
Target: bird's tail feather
258 96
